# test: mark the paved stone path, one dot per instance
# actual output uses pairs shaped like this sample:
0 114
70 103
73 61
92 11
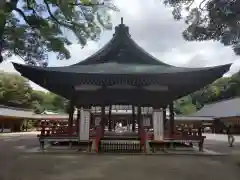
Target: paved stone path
221 137
219 144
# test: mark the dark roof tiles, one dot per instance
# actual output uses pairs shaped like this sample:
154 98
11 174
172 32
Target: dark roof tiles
227 108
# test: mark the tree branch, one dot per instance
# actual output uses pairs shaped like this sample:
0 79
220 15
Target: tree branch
53 17
15 51
200 5
23 15
191 3
86 5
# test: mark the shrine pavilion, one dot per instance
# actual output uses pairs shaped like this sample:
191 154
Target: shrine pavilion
122 73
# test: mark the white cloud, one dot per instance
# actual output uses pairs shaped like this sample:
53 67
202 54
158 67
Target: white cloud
152 27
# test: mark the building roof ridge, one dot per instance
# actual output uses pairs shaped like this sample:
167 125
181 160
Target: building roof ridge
15 108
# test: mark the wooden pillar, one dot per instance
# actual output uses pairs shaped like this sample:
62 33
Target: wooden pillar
12 126
200 131
200 144
103 117
110 118
2 128
139 113
70 118
78 120
26 125
171 120
133 119
164 118
213 127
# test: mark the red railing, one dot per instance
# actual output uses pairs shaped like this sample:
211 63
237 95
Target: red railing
143 138
99 133
62 131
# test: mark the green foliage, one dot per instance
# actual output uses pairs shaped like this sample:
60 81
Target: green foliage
223 88
48 101
184 106
32 28
16 91
216 20
38 109
27 125
54 102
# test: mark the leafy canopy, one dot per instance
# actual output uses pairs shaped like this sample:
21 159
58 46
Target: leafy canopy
33 28
14 90
222 89
48 101
216 20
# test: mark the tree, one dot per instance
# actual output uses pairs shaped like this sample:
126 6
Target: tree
222 89
32 28
38 96
37 108
184 105
59 103
14 90
48 101
233 88
216 20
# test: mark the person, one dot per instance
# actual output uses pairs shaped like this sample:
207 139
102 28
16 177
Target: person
231 138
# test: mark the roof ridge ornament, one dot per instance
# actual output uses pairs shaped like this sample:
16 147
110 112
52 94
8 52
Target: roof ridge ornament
121 29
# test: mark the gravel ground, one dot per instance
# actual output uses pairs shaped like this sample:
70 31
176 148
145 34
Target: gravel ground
73 167
16 165
222 147
219 143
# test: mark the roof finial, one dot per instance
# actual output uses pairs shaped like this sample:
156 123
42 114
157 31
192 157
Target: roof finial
121 20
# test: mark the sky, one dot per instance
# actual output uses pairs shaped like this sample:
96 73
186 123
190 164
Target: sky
152 26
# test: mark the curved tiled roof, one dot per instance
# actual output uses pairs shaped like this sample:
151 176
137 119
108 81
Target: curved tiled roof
127 51
6 111
225 108
122 62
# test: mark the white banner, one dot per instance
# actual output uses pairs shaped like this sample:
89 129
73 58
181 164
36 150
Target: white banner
158 124
84 125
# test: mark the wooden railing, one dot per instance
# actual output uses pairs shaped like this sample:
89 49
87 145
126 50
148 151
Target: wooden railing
179 135
62 131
